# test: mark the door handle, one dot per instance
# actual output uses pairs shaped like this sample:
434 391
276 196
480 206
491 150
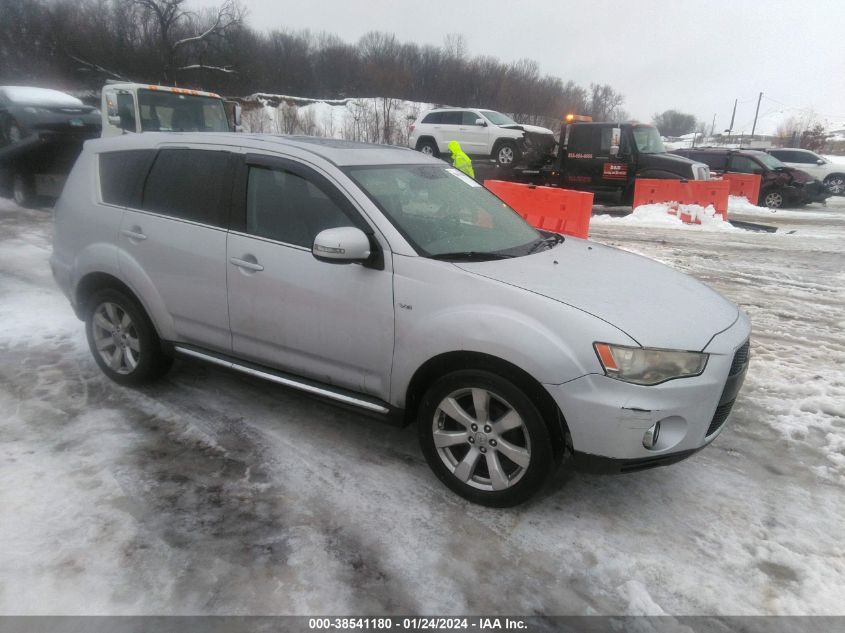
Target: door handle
246 265
134 234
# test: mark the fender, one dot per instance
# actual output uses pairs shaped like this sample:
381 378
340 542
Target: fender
134 276
442 309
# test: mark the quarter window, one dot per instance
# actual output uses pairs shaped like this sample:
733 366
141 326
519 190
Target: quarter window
189 184
122 176
286 207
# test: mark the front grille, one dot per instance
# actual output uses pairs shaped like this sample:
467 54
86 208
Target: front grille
722 413
740 359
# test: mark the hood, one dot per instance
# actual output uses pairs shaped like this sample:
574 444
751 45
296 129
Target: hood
798 175
534 129
652 303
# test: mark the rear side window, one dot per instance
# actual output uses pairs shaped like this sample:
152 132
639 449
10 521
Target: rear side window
712 160
189 184
286 207
452 118
122 176
433 117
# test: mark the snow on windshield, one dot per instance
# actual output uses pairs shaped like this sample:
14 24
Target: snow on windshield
40 96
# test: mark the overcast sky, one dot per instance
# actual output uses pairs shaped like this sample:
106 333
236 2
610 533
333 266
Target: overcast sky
693 56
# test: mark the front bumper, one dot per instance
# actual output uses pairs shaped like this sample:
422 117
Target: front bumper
607 418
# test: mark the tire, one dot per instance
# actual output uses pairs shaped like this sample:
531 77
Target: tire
23 190
428 147
123 340
466 450
835 184
506 154
773 199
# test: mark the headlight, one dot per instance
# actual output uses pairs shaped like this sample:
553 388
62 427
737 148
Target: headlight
648 366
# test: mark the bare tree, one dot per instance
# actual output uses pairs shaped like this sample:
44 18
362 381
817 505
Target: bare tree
184 35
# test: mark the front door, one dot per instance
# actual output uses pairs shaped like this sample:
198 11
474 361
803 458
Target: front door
328 322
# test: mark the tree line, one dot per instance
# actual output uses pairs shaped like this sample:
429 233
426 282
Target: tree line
81 43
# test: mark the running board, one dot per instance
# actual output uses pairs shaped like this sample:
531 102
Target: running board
301 384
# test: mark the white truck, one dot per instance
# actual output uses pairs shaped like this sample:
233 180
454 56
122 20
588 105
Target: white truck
132 107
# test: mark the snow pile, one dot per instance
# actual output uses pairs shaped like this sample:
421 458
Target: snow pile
668 215
371 119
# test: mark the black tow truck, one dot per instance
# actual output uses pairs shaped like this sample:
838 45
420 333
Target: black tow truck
604 158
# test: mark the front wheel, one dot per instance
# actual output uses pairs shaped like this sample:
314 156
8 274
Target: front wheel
507 154
835 184
484 438
773 199
23 190
123 340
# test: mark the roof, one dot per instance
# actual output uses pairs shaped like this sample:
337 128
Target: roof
341 153
182 91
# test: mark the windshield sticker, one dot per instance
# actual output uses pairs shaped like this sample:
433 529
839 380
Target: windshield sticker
462 176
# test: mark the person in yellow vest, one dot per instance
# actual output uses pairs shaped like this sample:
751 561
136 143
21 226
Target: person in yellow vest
460 159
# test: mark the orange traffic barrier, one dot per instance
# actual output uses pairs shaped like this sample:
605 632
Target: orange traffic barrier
548 208
746 185
700 192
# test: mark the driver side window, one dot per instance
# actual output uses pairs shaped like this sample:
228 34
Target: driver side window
743 165
286 207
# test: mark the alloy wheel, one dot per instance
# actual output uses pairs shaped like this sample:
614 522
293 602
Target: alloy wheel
481 439
774 200
116 338
506 155
835 185
427 150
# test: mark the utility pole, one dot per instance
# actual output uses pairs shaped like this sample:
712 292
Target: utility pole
733 116
756 112
713 126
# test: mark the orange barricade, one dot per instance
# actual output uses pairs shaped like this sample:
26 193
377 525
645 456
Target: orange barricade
549 208
701 192
747 185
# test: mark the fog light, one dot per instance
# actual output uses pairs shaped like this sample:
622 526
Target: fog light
650 437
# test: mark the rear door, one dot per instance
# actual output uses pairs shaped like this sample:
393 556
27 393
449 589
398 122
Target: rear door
328 322
451 122
173 244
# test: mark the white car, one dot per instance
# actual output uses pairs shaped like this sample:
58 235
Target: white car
480 132
831 174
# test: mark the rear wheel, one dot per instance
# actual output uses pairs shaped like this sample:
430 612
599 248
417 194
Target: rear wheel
428 147
123 340
773 199
484 438
835 184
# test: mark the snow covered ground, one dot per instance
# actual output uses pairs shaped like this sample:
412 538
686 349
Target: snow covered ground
212 493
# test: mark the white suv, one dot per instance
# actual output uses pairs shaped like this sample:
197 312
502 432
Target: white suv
480 132
831 174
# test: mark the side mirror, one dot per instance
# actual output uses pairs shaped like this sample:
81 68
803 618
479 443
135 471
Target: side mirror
615 140
342 245
820 161
481 122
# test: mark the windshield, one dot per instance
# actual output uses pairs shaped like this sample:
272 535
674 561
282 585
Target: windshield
768 160
648 140
443 213
163 111
497 118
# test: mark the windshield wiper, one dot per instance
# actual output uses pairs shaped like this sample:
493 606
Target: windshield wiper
553 240
470 256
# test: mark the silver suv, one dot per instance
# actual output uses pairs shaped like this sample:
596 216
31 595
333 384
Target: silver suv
387 281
